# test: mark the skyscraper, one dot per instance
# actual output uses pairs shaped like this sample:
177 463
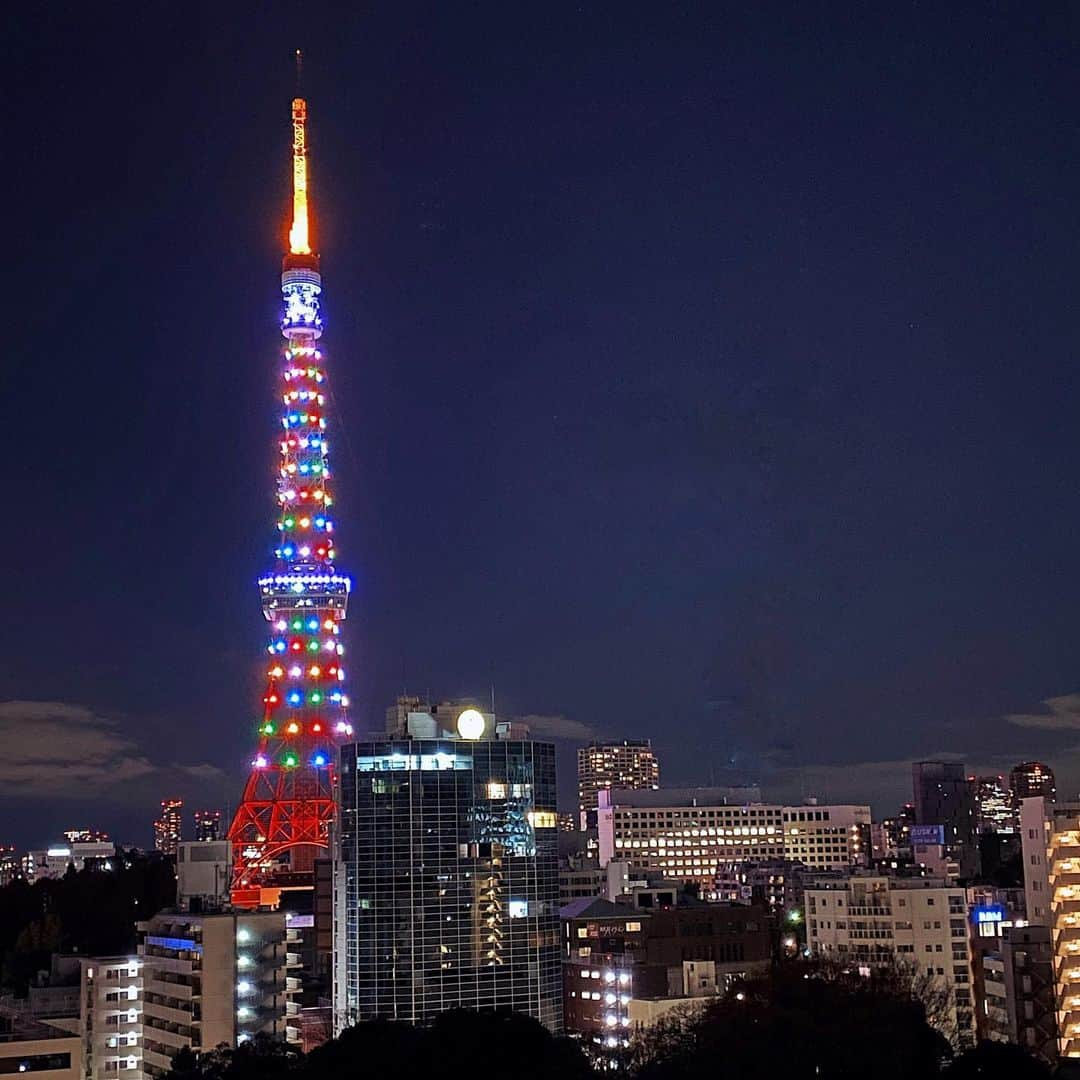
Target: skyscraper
168 829
447 869
207 824
281 824
1031 779
994 807
945 795
627 763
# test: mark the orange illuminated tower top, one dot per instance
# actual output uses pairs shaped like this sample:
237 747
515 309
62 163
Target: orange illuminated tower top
299 238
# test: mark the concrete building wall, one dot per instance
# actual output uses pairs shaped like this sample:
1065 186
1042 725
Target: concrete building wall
689 842
1034 838
1063 885
872 921
44 1055
213 980
111 1006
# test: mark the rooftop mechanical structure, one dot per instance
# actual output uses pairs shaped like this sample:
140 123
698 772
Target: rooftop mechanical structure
282 823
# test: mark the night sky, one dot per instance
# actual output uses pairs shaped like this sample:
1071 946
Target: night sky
702 372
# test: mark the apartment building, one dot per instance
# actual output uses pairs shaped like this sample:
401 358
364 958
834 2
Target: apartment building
1018 980
215 979
872 921
111 1017
1050 839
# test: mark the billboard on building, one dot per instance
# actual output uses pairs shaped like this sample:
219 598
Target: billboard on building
927 834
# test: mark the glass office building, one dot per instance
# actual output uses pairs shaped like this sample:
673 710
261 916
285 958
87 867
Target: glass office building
447 879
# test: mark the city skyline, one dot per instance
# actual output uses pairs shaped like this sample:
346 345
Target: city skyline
758 449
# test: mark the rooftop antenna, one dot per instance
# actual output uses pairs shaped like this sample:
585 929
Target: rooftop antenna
299 71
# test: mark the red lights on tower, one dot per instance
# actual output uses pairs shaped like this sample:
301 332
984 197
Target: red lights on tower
283 820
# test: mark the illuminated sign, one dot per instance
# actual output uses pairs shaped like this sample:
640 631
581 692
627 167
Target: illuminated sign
989 913
437 762
179 944
928 834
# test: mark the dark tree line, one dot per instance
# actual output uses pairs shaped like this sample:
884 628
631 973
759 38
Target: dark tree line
91 912
482 1046
802 1022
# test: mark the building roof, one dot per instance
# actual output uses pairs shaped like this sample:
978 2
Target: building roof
593 907
684 797
27 1029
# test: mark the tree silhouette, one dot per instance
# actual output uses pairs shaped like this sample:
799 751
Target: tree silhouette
996 1061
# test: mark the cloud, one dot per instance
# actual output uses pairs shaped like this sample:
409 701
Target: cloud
56 750
558 727
1062 714
205 771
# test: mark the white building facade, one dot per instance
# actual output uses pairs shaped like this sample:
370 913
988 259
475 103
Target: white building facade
111 1017
871 921
215 979
1051 851
692 837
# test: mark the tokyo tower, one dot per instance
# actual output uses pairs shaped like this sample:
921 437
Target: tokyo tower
282 822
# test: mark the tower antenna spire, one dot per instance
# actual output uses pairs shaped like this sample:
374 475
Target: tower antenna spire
299 72
299 240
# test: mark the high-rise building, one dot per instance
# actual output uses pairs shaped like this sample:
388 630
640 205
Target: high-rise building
1018 981
10 865
892 836
215 979
168 829
945 796
111 1017
1051 849
1031 779
447 875
1035 816
207 824
995 810
281 825
602 766
85 836
697 834
872 921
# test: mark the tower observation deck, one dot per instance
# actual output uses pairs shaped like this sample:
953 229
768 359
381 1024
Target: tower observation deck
282 822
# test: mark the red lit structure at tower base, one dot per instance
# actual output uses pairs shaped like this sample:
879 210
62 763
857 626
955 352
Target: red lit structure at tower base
283 820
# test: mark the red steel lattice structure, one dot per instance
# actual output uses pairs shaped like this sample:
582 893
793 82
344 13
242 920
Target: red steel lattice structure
283 820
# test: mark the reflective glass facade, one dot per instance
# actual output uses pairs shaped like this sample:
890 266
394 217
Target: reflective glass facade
449 883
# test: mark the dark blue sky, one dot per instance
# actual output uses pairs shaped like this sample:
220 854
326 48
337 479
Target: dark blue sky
705 372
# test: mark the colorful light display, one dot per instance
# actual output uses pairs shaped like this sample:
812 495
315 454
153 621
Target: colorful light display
283 819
